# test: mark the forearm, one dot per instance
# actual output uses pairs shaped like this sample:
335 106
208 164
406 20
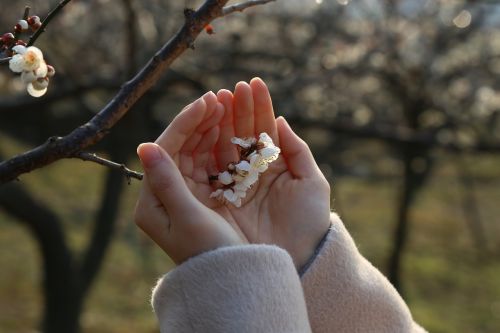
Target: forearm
345 293
252 288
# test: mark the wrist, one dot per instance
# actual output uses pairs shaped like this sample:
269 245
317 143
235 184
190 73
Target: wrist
305 266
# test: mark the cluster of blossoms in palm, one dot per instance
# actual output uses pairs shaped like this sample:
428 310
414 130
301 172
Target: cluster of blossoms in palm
255 157
28 61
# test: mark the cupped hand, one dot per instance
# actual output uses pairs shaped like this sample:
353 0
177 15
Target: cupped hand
290 204
172 207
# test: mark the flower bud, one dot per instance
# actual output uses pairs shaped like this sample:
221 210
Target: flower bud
8 38
23 24
33 20
50 71
41 84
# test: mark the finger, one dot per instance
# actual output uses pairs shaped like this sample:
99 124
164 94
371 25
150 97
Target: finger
185 123
243 111
214 119
216 113
225 151
296 152
263 110
165 180
202 154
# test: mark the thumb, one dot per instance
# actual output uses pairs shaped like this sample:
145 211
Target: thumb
296 152
165 179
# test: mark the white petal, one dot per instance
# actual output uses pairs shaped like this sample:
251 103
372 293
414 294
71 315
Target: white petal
265 138
16 64
255 160
41 71
216 193
28 77
243 166
241 194
36 51
240 187
244 143
230 196
225 178
24 25
19 49
237 203
251 178
35 92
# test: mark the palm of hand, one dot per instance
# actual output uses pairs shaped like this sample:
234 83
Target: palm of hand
286 208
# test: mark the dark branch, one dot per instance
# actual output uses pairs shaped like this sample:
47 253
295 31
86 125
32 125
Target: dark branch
110 164
46 21
239 7
94 130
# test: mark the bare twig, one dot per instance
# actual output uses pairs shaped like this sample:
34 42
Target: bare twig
96 128
110 164
46 21
239 7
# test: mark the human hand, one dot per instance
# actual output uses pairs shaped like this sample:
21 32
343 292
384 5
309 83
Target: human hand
171 207
290 204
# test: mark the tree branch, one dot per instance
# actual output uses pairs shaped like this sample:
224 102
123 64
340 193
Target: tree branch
239 7
96 128
91 157
46 21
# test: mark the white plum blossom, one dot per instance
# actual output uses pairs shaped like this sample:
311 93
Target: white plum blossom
34 70
243 143
25 59
243 175
225 178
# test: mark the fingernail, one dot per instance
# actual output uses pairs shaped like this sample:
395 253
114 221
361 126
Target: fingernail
210 93
150 154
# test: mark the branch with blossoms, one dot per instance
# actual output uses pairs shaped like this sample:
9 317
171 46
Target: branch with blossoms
95 129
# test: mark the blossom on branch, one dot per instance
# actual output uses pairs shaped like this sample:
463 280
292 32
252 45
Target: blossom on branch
34 70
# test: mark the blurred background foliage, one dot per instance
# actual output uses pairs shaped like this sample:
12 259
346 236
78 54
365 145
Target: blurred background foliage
399 99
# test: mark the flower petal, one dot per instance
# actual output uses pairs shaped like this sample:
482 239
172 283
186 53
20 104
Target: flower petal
265 138
16 64
217 193
36 51
28 77
225 178
243 166
35 92
244 143
19 49
42 70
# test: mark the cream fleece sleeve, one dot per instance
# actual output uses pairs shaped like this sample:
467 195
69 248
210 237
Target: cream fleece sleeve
251 288
345 293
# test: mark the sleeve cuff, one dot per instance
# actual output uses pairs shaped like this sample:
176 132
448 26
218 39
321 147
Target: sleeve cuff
250 288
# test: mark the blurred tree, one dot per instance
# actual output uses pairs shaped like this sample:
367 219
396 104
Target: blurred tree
420 76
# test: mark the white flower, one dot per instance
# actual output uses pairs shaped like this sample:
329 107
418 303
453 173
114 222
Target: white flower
225 178
25 59
243 143
38 87
23 24
269 152
244 174
34 70
228 195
